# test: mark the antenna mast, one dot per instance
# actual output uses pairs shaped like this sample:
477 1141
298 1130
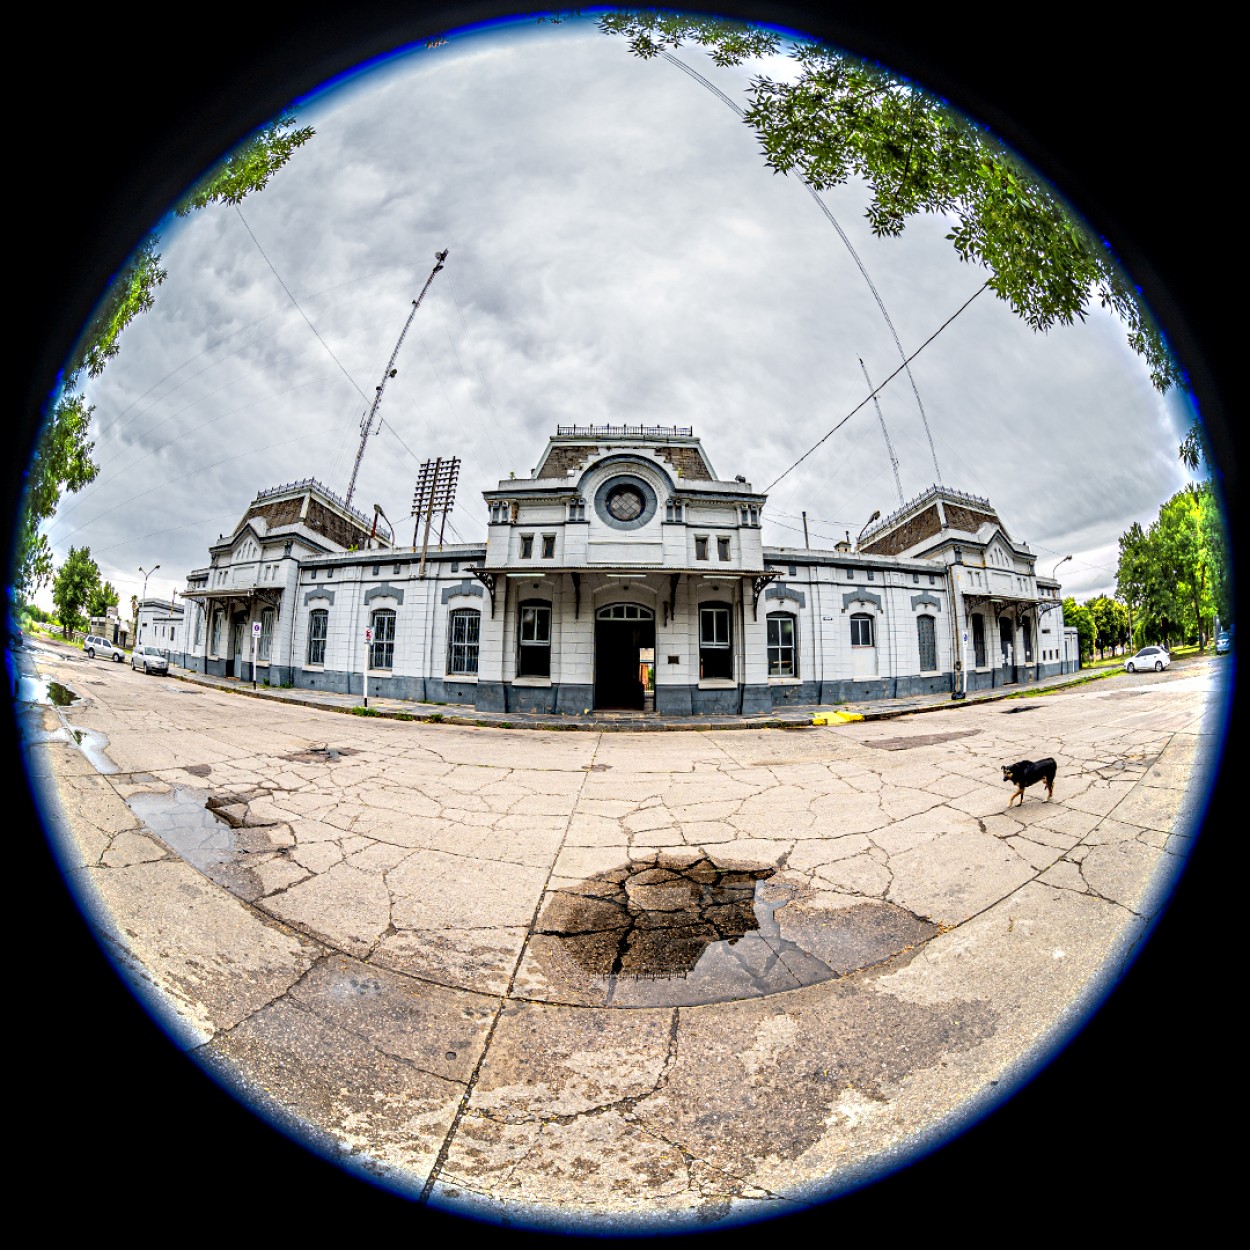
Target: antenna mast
366 423
888 445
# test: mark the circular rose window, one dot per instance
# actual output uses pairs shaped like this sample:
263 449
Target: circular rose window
626 503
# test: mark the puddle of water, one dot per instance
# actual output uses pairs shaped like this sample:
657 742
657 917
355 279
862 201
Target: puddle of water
32 688
182 820
665 933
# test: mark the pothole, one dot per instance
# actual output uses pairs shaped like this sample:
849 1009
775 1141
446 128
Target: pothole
206 838
668 933
918 740
320 755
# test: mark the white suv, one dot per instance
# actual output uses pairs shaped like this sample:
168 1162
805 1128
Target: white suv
110 650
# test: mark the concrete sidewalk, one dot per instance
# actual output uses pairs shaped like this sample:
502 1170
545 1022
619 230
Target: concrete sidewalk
634 722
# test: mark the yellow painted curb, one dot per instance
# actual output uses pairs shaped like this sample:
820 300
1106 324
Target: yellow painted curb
835 718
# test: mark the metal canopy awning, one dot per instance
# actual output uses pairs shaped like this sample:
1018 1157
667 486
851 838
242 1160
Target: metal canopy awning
491 577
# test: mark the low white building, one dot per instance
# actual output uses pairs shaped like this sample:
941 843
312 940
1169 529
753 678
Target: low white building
158 623
624 574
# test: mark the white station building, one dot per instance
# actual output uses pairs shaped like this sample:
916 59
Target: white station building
624 574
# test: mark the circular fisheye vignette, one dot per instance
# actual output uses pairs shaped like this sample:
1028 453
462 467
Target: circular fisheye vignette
330 1149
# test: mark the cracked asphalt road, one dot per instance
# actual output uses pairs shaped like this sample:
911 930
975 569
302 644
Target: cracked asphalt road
363 953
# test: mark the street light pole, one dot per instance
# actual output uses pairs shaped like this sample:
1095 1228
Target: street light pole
143 596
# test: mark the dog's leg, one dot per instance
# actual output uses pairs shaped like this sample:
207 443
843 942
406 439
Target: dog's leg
1050 788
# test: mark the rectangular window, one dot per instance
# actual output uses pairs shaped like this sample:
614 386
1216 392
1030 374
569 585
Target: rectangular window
700 547
722 548
861 630
782 658
318 628
715 651
527 546
978 641
463 635
870 575
534 659
382 652
927 633
549 546
374 572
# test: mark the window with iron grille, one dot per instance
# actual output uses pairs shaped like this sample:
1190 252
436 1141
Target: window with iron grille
464 630
534 658
382 652
266 635
861 630
782 649
318 628
926 629
978 641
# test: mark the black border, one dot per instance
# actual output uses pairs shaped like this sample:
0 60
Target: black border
1133 116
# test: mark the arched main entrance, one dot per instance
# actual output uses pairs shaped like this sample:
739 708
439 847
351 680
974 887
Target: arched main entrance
624 650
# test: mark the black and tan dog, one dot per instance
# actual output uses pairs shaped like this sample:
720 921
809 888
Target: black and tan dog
1027 773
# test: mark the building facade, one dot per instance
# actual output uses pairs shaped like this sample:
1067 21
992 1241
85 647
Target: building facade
623 574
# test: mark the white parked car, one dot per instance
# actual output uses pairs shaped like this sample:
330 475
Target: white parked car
150 659
1147 658
94 645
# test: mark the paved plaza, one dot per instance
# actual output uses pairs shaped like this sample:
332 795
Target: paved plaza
618 980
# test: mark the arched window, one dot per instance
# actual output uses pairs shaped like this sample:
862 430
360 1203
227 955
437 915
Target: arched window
534 641
783 655
716 657
318 628
463 630
382 652
861 630
926 630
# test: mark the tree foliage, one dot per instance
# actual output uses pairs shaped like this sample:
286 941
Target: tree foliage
1175 576
102 597
62 460
75 583
840 117
1083 619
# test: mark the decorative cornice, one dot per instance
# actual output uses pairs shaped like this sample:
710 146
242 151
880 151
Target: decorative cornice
318 592
786 592
861 594
461 588
386 591
917 600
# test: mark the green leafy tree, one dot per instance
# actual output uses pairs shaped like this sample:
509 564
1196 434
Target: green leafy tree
103 597
62 459
1106 623
838 117
75 583
1083 619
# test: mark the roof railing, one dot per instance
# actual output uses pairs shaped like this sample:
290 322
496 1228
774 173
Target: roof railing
616 431
946 492
312 483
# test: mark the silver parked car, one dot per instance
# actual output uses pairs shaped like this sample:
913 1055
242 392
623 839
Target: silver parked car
93 644
1155 658
150 659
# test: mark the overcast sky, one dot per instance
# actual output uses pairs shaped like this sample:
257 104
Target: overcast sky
618 252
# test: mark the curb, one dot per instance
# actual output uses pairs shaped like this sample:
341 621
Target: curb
814 719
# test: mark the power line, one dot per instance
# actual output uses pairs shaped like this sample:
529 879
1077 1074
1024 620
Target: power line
879 389
298 309
833 221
